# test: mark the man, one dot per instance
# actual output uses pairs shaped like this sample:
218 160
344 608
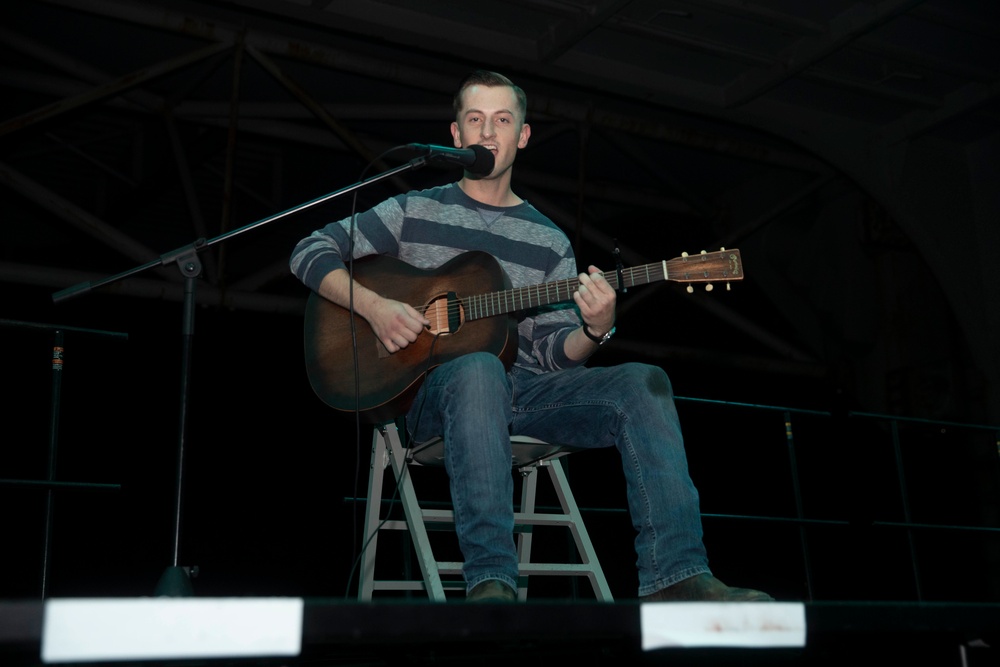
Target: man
475 404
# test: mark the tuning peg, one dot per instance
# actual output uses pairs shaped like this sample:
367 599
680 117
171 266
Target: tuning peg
708 287
690 289
684 254
703 252
729 287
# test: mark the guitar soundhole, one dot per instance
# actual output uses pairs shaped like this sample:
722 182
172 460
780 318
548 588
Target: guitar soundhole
445 313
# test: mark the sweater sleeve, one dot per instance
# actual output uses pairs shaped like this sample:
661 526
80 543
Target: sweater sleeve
549 327
377 232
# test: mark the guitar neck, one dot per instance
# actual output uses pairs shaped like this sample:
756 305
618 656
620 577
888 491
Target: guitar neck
705 267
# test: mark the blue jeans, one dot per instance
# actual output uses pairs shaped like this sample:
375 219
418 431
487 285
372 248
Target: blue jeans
476 406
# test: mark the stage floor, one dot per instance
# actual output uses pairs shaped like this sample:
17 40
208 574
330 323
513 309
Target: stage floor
335 632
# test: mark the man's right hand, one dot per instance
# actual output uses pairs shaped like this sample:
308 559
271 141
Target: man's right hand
395 323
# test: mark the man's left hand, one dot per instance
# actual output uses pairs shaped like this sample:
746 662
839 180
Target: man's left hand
596 300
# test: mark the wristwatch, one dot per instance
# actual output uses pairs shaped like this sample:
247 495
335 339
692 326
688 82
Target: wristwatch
599 340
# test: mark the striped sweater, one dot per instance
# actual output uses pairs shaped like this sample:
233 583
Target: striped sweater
426 229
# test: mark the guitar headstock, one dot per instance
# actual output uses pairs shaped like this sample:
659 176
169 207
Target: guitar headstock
706 267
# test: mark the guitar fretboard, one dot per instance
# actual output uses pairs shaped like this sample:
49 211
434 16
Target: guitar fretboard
533 296
705 267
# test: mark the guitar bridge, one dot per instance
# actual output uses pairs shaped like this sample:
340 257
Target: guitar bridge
446 314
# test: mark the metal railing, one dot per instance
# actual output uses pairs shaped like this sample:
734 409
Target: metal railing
50 484
890 427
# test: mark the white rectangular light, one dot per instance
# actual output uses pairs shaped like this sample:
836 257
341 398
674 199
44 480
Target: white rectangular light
84 630
722 624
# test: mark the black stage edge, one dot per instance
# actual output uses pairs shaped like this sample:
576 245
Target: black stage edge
341 633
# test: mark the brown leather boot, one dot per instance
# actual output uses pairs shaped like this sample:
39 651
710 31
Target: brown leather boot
705 588
491 590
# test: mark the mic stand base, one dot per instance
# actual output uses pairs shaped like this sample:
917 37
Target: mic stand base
176 582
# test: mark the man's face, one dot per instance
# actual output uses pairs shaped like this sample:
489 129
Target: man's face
490 118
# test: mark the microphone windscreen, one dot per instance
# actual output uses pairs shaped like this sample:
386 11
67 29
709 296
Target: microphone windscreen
484 162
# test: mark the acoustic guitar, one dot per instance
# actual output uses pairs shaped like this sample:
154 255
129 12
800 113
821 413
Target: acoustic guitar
471 306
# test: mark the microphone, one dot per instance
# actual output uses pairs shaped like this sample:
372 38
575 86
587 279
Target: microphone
476 159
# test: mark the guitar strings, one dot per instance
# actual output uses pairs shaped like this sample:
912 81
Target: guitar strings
693 268
490 302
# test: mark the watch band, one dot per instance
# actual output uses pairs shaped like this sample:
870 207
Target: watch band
600 340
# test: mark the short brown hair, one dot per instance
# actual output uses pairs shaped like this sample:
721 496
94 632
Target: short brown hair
489 79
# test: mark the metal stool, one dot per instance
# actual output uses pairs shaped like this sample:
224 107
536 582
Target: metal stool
529 454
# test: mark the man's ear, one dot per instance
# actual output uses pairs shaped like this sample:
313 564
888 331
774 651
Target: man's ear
455 135
522 141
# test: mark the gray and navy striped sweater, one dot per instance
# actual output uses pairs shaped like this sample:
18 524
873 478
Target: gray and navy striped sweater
426 229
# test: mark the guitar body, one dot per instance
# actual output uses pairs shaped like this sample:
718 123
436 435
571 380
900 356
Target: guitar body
388 383
470 304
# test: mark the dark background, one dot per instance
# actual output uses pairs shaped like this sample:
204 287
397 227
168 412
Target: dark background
859 185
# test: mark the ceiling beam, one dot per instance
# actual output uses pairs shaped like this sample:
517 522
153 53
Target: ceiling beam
401 73
785 204
763 61
564 34
191 200
773 17
917 122
611 193
923 61
402 23
349 138
662 172
111 89
76 216
80 71
860 19
944 14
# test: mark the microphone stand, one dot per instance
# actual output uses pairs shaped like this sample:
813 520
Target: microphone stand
176 579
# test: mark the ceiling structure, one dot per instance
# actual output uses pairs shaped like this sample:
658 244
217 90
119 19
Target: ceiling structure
131 129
